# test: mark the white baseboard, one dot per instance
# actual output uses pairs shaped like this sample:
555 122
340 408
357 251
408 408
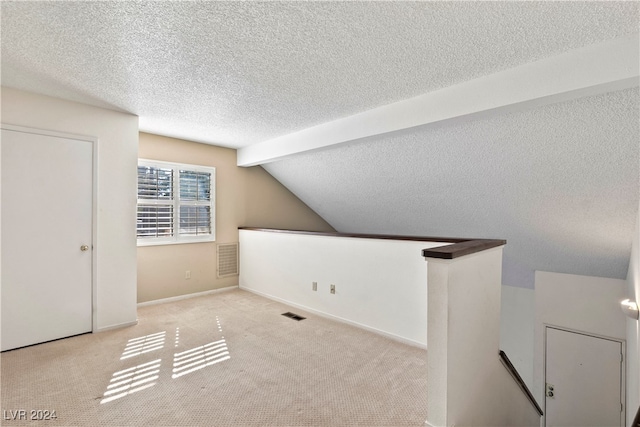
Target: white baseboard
339 319
117 326
181 297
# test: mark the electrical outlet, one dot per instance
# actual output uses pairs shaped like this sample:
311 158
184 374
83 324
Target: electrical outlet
314 286
187 274
333 289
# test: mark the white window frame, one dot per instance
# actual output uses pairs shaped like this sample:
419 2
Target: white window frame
177 238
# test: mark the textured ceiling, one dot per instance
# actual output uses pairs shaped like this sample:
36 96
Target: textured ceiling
559 182
236 73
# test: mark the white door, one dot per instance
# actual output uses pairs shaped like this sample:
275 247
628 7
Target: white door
47 192
583 380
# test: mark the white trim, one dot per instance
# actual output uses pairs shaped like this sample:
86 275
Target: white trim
117 326
194 167
339 319
186 296
44 132
581 332
184 241
586 71
94 205
94 244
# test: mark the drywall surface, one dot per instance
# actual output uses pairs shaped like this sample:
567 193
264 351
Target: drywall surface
583 303
115 248
517 314
380 285
509 402
468 385
244 197
633 329
245 72
269 204
576 162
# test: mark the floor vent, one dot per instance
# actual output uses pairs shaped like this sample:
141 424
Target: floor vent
293 316
227 259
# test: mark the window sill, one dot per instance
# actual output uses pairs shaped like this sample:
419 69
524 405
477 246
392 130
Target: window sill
142 243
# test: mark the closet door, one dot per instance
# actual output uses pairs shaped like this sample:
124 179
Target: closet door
583 380
47 199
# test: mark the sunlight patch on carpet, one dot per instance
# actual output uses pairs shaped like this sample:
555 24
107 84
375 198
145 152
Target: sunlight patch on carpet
132 380
141 345
200 357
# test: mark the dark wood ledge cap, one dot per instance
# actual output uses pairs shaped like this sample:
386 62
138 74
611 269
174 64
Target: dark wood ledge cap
463 248
458 248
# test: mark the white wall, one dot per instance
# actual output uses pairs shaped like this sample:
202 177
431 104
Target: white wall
380 284
516 329
468 385
633 329
474 336
117 133
583 303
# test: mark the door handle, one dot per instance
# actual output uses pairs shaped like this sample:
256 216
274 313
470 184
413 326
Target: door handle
84 248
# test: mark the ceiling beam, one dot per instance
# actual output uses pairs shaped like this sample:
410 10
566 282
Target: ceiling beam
587 71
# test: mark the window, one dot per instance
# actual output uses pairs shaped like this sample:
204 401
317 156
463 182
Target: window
176 203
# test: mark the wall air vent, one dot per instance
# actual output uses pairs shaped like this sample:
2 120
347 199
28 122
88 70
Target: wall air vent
227 254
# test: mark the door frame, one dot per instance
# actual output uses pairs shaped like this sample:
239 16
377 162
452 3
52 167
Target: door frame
94 203
623 365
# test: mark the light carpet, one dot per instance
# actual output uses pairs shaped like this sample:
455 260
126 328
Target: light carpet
226 359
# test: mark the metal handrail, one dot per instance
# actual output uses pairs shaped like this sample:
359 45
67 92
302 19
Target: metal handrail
516 376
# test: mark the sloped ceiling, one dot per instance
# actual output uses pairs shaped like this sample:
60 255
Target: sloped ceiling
560 182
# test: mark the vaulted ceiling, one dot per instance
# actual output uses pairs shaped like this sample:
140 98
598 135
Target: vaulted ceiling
556 173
